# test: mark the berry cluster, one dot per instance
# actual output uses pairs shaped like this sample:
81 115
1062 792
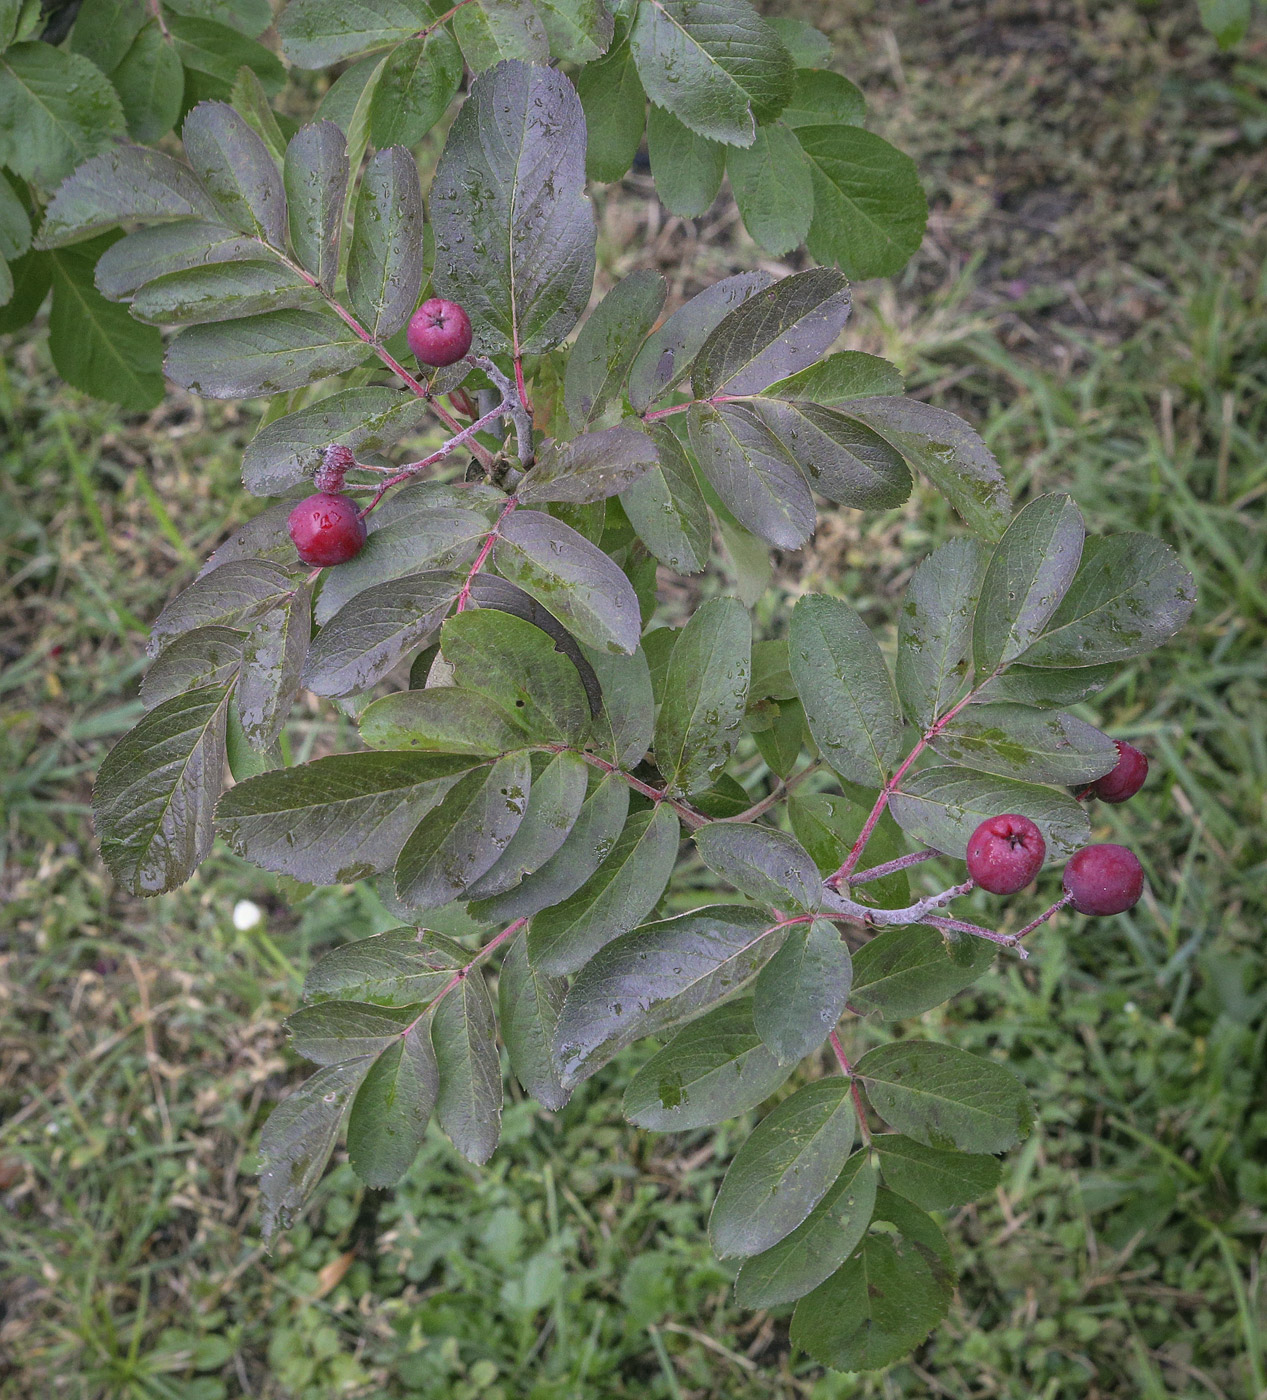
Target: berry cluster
327 528
1007 852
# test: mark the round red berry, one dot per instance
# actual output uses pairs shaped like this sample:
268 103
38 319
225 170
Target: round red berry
1103 879
1005 853
1126 778
327 529
439 332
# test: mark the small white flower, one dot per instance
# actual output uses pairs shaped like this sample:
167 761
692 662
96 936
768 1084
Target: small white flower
246 915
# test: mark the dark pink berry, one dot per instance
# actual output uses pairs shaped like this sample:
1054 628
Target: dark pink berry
327 529
1126 778
439 332
1103 879
1005 853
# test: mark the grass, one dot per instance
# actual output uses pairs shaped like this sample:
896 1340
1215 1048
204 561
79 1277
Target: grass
140 1043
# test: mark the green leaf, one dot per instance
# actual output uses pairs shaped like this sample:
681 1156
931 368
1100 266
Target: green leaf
1037 746
624 726
15 223
403 967
519 256
773 189
591 838
838 379
529 1002
491 31
615 113
317 33
781 744
935 629
698 726
607 343
462 838
156 789
784 1169
419 80
369 635
272 662
841 459
205 656
687 168
579 30
337 819
165 249
385 260
772 334
464 1034
845 686
589 468
217 52
715 64
250 100
150 82
554 806
819 1244
127 182
249 17
809 48
262 354
1227 20
287 451
519 668
443 720
943 1097
234 167
348 103
668 353
824 99
299 1137
713 1069
949 453
885 1299
1033 685
616 898
56 110
331 1032
763 863
933 1178
422 540
1029 572
869 207
656 975
753 473
315 174
943 806
904 972
801 992
666 508
103 31
574 579
1130 594
225 292
238 594
95 344
389 1114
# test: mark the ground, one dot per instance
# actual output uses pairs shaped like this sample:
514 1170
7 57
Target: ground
1091 294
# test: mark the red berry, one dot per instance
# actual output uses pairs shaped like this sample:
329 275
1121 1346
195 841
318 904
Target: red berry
327 529
1103 879
439 332
1005 853
1126 779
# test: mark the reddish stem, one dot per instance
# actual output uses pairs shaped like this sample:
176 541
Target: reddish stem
519 384
464 595
847 1069
1043 917
493 943
1007 940
781 790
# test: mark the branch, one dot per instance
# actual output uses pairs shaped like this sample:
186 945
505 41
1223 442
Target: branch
890 867
513 401
779 792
